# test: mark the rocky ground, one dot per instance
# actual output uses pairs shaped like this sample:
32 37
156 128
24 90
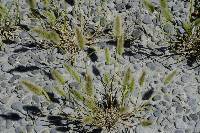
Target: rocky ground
177 104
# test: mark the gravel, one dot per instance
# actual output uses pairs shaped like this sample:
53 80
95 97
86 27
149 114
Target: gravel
177 107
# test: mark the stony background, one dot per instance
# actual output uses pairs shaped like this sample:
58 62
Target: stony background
177 105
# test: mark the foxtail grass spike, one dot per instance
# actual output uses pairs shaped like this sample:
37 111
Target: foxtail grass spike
32 4
166 13
90 103
58 76
142 79
132 85
3 11
51 17
35 89
163 4
79 37
169 77
149 5
73 73
77 95
120 45
89 85
191 9
47 35
46 2
59 91
118 29
87 120
107 55
127 76
187 27
106 78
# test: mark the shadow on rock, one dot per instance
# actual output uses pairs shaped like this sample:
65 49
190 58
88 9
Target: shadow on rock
33 110
11 116
22 69
91 52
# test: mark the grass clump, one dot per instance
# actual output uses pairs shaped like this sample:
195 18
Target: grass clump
188 43
9 22
116 105
109 107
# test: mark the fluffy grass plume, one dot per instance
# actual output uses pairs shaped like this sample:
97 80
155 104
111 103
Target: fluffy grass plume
107 55
127 77
79 37
89 88
46 2
132 85
87 120
47 35
51 17
120 45
165 11
35 89
128 84
32 4
73 73
78 96
90 103
58 76
106 78
142 78
191 10
148 4
118 29
59 91
3 11
170 77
